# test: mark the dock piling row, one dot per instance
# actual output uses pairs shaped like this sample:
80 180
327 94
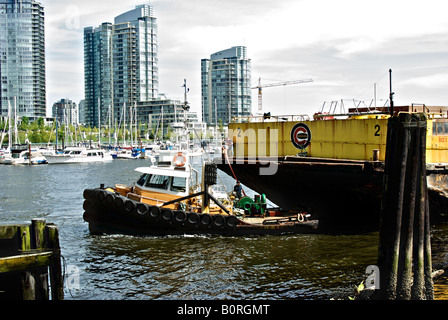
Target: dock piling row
404 253
29 257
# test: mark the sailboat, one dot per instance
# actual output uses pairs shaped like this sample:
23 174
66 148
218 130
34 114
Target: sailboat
6 153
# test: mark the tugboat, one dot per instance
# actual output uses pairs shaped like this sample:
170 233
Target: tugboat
168 199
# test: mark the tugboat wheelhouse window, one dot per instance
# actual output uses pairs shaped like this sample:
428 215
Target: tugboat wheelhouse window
179 184
158 182
142 180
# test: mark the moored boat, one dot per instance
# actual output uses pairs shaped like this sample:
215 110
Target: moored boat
5 154
23 155
126 153
169 199
79 155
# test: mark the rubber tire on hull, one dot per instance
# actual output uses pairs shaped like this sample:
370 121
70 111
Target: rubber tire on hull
101 195
218 221
142 208
206 220
110 199
89 194
154 213
119 201
129 205
193 218
180 216
231 222
167 215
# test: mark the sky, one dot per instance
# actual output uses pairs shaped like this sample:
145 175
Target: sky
345 46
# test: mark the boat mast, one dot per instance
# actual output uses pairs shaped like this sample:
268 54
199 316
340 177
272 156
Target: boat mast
135 117
16 132
391 94
10 126
124 123
3 133
186 107
130 124
109 120
99 122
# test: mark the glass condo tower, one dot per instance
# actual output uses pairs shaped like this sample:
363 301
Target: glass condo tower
225 86
120 64
22 58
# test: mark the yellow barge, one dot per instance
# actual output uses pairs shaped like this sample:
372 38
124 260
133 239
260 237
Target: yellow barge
331 165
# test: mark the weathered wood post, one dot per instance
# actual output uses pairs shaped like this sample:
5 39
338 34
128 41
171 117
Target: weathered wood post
404 256
40 274
26 254
56 280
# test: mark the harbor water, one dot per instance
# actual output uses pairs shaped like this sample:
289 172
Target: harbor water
119 267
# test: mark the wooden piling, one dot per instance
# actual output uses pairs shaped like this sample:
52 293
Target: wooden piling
56 280
40 274
28 255
404 256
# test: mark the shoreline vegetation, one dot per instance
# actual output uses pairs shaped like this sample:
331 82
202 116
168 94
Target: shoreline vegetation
37 132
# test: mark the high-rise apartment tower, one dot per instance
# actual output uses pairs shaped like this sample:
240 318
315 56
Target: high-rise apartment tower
226 92
22 58
121 64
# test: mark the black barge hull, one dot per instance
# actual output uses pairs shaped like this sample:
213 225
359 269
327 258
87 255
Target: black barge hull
110 213
344 195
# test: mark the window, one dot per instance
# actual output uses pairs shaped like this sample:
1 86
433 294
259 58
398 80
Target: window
179 184
440 128
158 182
142 180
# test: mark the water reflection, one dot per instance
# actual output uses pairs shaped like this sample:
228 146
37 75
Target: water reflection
201 267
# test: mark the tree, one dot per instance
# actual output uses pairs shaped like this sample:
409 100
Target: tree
41 123
25 123
220 126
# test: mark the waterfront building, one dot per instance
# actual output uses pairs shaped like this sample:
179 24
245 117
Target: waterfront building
22 58
134 57
225 86
121 64
66 112
97 72
82 112
165 114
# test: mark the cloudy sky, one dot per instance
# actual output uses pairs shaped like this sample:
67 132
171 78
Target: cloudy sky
346 46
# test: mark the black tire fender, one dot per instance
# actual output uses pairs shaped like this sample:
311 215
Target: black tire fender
129 205
142 208
167 214
154 212
180 216
218 220
193 218
206 219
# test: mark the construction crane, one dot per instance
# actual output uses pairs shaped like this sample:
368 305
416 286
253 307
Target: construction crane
276 84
